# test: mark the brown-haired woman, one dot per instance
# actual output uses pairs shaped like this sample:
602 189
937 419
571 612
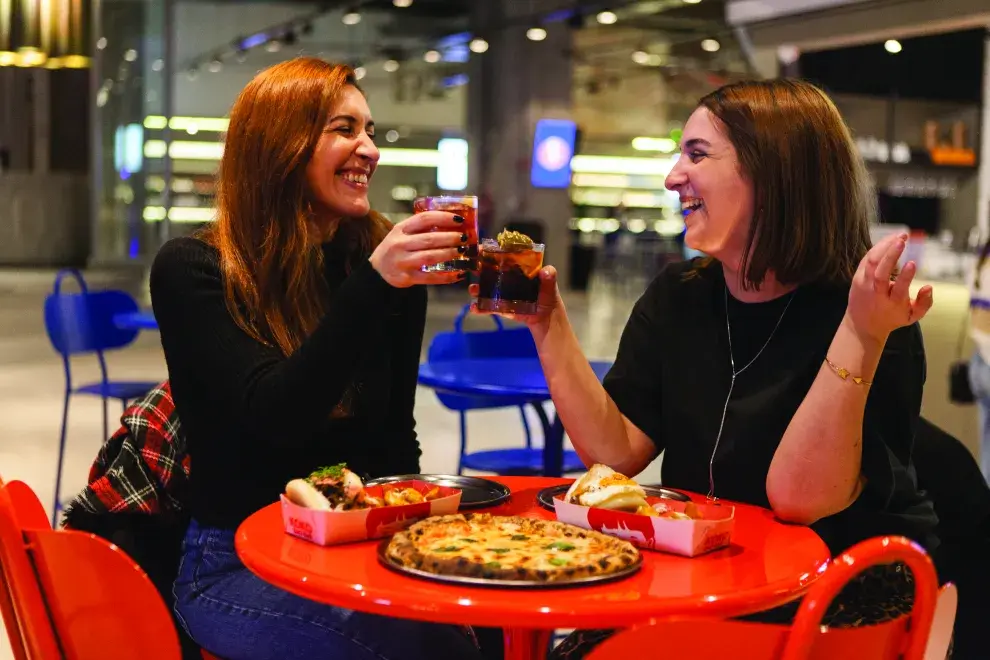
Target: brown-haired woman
292 333
786 369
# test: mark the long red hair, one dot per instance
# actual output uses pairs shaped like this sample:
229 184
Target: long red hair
272 268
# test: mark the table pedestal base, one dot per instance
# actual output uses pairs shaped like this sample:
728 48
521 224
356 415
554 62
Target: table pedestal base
526 643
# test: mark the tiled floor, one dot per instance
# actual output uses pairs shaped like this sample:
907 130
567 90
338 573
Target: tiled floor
31 380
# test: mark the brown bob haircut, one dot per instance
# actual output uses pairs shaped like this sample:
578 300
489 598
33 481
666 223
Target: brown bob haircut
814 201
272 268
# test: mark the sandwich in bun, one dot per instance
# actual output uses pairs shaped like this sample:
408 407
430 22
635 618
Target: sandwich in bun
604 488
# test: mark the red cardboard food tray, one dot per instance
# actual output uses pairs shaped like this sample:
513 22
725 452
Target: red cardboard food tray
334 527
683 537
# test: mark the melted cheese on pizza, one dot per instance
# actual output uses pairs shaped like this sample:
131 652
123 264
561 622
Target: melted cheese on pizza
508 546
516 546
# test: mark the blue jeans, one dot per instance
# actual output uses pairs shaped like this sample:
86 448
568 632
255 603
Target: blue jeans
979 381
232 613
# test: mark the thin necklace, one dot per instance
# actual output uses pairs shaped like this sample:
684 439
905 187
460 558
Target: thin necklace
732 383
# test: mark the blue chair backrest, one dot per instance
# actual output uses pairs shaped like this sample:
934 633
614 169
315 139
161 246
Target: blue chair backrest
485 344
499 343
83 322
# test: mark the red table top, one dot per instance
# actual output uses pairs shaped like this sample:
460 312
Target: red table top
767 564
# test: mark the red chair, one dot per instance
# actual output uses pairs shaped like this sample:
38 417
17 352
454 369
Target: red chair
28 627
73 594
905 638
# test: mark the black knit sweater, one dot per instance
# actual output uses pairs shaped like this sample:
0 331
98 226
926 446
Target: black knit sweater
255 419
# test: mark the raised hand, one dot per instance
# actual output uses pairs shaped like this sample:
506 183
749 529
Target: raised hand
880 301
421 240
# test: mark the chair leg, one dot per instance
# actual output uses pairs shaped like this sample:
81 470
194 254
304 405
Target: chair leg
525 423
61 455
460 457
106 419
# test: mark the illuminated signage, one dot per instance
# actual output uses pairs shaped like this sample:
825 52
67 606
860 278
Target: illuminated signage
553 148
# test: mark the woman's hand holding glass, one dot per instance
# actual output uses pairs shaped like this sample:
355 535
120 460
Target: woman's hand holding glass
548 301
420 240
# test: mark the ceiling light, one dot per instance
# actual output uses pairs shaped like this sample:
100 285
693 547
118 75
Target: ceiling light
391 66
710 45
352 17
130 55
360 72
640 57
402 3
215 66
536 34
478 46
273 46
893 46
392 136
431 56
691 2
607 18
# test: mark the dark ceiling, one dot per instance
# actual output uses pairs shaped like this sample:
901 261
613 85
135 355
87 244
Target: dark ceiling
942 67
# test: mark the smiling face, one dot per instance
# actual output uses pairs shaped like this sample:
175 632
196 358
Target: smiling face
344 160
716 197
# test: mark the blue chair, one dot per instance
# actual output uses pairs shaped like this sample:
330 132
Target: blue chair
82 323
493 344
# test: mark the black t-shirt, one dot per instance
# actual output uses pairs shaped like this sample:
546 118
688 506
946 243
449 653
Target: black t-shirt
672 375
254 419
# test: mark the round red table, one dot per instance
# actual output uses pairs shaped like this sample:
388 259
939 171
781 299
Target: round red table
767 564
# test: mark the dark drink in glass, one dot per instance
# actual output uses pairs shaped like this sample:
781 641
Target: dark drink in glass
509 270
465 206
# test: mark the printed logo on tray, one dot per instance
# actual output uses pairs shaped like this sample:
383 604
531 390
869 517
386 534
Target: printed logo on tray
389 520
713 541
301 528
637 529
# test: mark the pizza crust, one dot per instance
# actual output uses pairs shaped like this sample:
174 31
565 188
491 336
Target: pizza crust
509 548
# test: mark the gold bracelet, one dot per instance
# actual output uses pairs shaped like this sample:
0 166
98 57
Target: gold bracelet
844 374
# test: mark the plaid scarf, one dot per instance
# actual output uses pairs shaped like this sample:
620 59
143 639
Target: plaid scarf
143 468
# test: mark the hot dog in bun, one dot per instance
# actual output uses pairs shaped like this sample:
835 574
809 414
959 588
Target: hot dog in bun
332 488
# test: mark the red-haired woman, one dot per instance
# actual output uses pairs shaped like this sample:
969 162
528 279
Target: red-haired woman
292 330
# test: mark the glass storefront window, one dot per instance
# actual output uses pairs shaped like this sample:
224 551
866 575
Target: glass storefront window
130 71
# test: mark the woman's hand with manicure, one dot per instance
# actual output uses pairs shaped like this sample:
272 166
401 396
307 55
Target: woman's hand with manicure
424 239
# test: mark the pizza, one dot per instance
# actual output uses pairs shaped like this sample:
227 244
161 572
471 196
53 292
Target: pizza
509 548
